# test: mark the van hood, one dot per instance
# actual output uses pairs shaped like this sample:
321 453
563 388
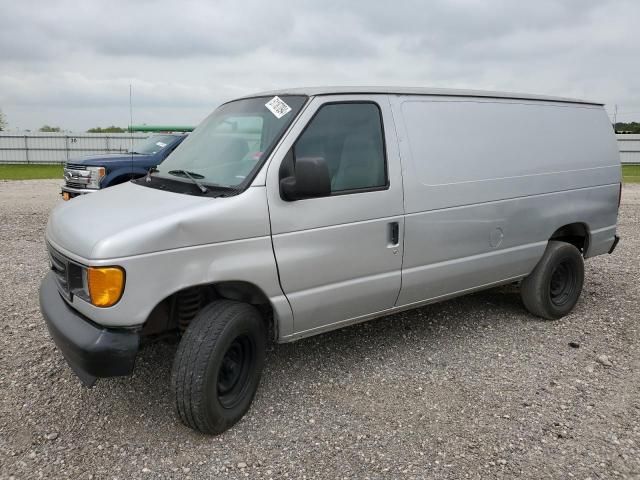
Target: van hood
131 219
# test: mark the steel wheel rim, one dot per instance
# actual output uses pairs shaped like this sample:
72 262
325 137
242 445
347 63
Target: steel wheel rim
563 283
235 371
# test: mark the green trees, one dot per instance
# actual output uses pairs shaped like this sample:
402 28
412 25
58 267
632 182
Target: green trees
111 129
630 127
3 121
47 128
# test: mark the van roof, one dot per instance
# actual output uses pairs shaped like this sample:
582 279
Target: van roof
442 92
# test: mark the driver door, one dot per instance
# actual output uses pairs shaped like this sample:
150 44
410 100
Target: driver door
340 256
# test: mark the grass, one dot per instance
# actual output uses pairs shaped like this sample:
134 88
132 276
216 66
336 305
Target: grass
630 173
30 172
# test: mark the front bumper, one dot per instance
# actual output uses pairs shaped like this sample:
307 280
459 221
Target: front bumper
91 351
74 192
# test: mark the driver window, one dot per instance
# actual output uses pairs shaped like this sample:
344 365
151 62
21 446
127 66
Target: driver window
349 137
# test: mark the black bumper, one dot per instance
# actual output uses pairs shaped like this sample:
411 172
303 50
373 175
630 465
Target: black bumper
90 350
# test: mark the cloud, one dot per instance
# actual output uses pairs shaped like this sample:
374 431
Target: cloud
75 60
98 92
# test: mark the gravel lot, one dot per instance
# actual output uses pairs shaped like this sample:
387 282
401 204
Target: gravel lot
470 388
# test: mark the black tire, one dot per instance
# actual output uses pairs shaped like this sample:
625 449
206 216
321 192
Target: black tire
218 366
553 288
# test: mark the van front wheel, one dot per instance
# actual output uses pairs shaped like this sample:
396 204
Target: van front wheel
553 288
218 366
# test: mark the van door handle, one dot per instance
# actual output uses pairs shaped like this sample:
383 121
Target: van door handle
394 234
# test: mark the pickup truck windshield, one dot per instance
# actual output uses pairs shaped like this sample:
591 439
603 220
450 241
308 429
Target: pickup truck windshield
152 145
230 145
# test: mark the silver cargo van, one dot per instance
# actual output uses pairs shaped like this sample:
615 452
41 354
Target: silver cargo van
290 213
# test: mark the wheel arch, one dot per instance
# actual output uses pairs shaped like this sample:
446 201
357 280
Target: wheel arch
577 234
166 313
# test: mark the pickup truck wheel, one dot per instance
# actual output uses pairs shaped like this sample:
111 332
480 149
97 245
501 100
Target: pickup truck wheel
218 365
553 288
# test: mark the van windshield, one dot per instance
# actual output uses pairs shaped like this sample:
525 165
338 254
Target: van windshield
230 145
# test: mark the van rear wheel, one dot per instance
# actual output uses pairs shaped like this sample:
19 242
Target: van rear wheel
218 365
553 288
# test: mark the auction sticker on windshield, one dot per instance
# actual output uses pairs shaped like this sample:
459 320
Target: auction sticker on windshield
278 107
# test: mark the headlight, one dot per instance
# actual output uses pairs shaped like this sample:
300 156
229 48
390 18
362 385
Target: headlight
104 285
96 174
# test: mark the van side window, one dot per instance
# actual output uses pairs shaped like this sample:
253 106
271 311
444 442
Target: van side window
349 137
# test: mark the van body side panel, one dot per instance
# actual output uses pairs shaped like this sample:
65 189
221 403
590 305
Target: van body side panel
333 253
487 182
459 248
467 152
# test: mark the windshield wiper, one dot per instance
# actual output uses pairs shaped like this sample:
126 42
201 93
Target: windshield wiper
178 173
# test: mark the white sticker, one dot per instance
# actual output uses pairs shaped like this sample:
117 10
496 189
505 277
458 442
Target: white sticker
278 107
161 145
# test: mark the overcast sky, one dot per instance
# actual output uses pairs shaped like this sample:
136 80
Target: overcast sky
70 63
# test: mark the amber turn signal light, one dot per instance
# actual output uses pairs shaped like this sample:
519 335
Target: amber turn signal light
106 285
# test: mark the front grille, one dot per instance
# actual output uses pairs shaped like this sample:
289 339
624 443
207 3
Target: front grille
75 166
60 268
68 275
76 176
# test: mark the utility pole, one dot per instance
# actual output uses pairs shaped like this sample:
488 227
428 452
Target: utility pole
615 116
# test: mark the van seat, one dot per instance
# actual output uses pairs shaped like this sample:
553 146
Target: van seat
360 164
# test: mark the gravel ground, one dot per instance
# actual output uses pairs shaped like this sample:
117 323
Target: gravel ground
470 388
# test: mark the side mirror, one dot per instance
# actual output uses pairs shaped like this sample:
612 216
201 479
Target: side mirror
309 179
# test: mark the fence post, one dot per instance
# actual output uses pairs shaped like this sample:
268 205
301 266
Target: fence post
106 143
26 148
66 146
